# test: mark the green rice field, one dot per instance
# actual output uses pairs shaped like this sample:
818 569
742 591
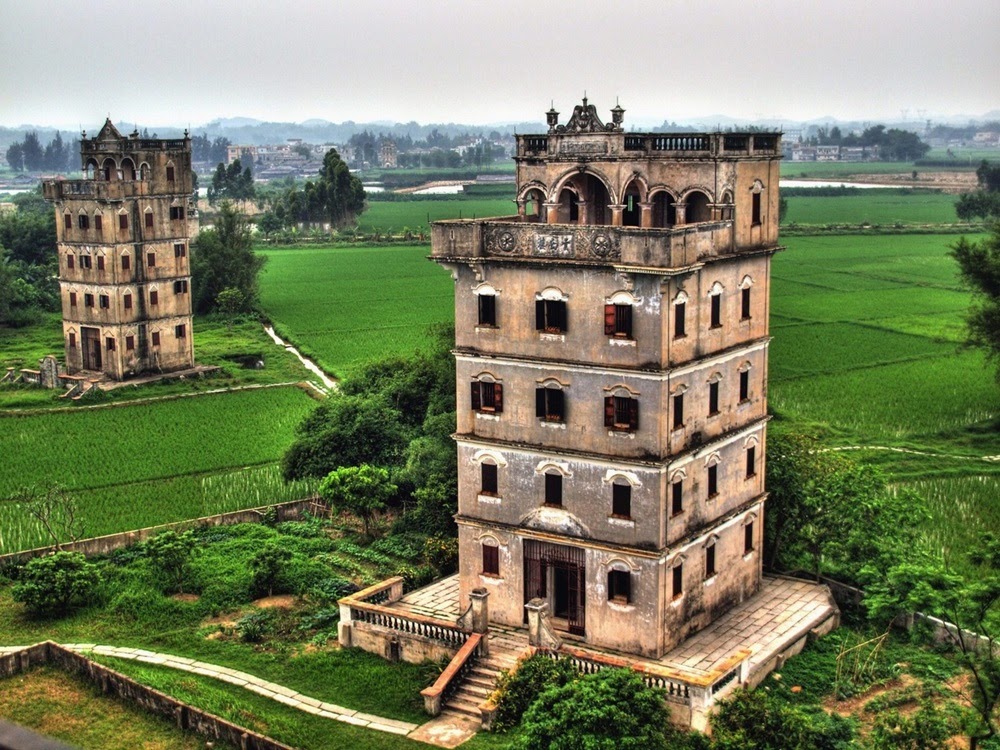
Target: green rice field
155 462
875 206
398 216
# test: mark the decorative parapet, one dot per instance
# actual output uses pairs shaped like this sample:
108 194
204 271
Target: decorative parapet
671 146
676 247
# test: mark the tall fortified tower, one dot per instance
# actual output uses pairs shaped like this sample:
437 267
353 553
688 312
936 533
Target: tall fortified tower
611 346
124 273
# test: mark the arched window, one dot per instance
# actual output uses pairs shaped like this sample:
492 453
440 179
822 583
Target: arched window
486 298
698 208
715 297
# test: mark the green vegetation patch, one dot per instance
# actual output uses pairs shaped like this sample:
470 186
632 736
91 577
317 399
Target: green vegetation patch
350 305
397 216
876 206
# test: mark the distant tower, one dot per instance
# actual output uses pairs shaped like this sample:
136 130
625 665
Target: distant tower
388 154
124 274
611 347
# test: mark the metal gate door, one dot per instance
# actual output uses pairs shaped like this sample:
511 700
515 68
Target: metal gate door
566 591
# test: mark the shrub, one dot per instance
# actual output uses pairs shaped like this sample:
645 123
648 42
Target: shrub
56 583
331 589
253 627
267 565
170 553
756 720
516 690
442 553
610 710
930 728
415 577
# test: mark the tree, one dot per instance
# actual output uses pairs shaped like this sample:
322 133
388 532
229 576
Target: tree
984 202
56 583
34 154
267 565
979 267
610 710
171 553
15 156
362 490
55 509
972 604
234 183
223 258
341 194
756 720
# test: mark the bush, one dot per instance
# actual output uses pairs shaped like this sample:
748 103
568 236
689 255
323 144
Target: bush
415 577
267 565
442 553
516 690
170 553
755 720
254 627
610 710
330 590
56 583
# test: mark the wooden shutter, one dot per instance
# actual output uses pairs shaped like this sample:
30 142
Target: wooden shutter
633 414
540 403
497 398
609 411
539 315
476 402
609 320
69 261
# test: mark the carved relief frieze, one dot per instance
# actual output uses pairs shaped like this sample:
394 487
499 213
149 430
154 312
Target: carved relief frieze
580 243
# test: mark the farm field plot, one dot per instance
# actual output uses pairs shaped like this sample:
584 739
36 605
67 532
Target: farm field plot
874 207
838 169
348 305
171 460
385 216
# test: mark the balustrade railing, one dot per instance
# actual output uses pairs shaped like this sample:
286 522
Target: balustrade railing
676 689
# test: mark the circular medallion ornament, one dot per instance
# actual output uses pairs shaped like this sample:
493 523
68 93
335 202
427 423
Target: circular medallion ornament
506 242
601 245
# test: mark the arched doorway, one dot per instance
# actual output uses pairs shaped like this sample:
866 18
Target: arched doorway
569 206
597 198
697 208
109 170
533 201
128 169
664 212
632 214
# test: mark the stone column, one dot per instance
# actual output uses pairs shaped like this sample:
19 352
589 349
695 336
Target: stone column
583 212
540 633
481 616
646 215
680 218
551 213
520 209
344 626
616 214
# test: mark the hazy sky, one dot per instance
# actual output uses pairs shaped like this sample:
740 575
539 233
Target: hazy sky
154 62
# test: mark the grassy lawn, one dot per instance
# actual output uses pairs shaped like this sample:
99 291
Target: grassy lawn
71 709
348 305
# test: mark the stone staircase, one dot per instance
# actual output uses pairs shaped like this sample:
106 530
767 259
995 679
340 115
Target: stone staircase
506 645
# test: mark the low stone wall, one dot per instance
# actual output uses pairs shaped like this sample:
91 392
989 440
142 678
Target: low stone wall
396 645
102 545
114 683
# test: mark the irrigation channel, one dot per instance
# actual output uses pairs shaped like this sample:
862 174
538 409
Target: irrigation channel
329 383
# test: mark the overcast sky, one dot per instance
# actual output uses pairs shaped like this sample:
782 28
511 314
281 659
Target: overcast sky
153 62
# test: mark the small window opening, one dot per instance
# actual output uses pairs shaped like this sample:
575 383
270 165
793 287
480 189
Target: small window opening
679 313
748 538
745 385
678 587
553 488
677 497
713 480
550 316
745 304
751 461
488 479
487 310
716 311
487 397
621 500
621 413
491 560
618 321
710 561
619 586
678 411
550 404
713 399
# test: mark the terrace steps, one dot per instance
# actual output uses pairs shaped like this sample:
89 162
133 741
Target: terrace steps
506 646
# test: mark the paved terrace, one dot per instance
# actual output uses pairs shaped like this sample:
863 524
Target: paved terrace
783 611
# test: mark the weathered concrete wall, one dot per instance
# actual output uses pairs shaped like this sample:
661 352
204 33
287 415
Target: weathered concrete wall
392 644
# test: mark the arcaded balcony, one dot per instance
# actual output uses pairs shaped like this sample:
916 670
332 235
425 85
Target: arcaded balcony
102 189
514 238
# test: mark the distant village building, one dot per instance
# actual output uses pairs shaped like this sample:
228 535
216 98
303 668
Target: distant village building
123 237
388 154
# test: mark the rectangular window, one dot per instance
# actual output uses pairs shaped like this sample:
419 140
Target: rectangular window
151 260
100 262
180 286
491 560
176 213
487 310
748 538
105 301
180 250
619 586
70 261
149 219
170 174
713 480
180 331
621 500
98 222
83 221
716 311
126 262
618 321
549 404
751 462
154 298
110 343
67 221
553 489
677 497
710 561
621 413
487 397
755 211
488 479
678 411
678 581
88 300
745 385
72 341
127 299
550 316
745 304
713 399
155 338
679 313
123 221
72 299
86 262
130 343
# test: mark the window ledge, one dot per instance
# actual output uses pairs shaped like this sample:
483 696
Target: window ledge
483 328
750 476
490 499
621 342
713 496
749 554
714 414
543 336
552 425
711 581
490 579
743 402
628 523
488 416
618 606
628 434
677 600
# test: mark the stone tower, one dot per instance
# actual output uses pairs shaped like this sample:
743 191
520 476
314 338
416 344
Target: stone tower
611 347
123 234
